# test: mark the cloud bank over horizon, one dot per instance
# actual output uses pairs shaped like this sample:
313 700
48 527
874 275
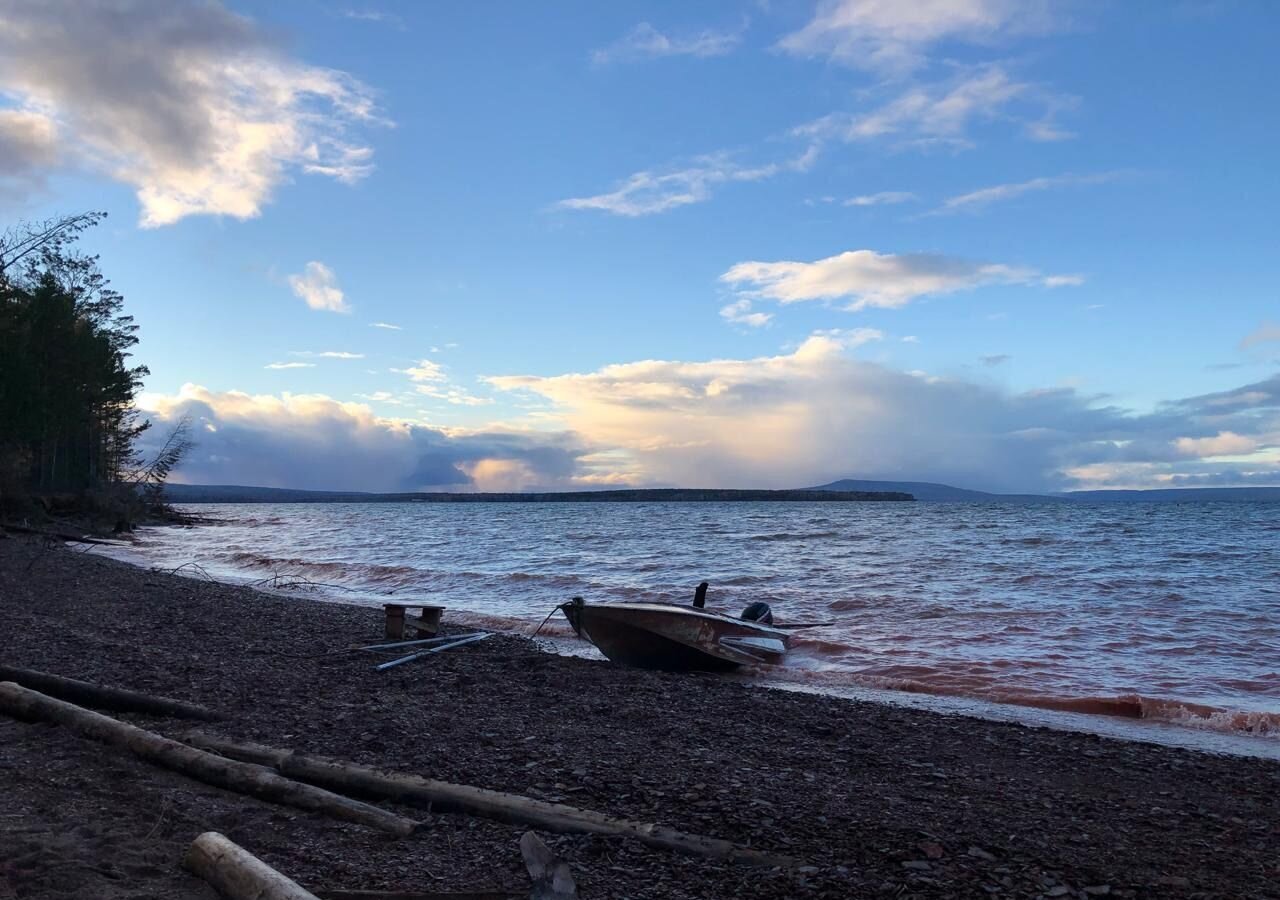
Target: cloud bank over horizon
795 419
314 442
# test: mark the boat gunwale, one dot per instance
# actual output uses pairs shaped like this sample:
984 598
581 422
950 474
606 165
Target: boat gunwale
650 606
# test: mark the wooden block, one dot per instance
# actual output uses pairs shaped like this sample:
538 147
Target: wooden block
395 621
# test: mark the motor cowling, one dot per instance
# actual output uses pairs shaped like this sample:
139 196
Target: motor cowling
758 612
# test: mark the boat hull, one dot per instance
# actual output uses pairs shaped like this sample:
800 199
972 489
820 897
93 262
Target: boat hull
674 638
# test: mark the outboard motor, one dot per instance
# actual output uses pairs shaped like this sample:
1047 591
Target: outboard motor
758 612
700 596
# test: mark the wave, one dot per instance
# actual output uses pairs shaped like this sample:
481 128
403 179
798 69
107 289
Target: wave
793 536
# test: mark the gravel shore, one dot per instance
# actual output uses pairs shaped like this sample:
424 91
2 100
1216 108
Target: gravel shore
877 801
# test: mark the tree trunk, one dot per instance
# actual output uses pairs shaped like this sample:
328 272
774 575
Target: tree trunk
100 697
444 797
244 778
236 873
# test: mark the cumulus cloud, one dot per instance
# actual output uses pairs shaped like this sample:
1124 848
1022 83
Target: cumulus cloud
893 38
386 325
819 413
648 192
187 102
316 442
866 278
289 365
980 199
318 286
804 416
646 42
327 354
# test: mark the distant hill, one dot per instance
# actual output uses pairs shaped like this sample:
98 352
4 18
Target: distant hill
231 493
1181 495
945 493
931 491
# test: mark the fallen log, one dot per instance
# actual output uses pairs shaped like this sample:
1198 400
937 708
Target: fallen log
56 535
241 777
419 895
445 797
236 873
86 693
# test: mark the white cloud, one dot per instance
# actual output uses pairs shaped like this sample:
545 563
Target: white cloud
910 339
314 441
1055 281
980 199
318 286
1264 333
818 413
289 365
327 354
893 37
646 42
646 193
431 380
425 371
376 16
940 114
387 325
453 394
866 278
881 198
739 313
1224 443
187 102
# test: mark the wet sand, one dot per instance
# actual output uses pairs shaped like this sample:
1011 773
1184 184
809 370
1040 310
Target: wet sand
876 800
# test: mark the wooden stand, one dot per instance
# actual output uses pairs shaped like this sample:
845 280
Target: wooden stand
426 625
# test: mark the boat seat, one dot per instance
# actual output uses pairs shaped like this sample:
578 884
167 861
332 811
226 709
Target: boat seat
426 623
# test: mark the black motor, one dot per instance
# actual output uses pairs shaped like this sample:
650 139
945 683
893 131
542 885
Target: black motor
758 612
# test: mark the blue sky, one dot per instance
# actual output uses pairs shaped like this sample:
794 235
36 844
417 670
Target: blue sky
1010 244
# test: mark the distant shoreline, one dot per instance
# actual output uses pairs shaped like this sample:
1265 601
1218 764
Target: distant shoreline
182 493
848 490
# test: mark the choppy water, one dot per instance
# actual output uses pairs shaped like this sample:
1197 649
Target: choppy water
1161 612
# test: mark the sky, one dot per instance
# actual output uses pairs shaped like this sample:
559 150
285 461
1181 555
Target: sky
1006 244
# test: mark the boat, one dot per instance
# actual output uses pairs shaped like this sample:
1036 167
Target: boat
675 638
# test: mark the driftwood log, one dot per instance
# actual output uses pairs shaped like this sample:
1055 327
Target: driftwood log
86 693
236 873
245 778
419 895
445 797
53 535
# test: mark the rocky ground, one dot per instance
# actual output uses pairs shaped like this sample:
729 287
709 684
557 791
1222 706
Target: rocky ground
876 801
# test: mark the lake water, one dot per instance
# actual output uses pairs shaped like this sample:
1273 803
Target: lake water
1152 612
